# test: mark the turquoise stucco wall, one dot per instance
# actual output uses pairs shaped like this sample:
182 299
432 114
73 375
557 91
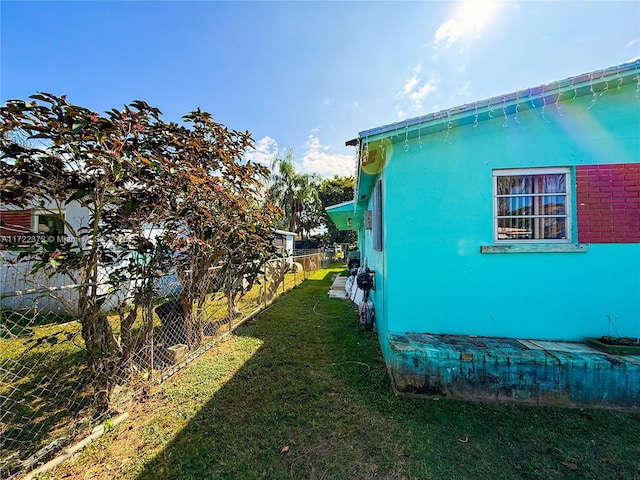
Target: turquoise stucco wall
375 260
431 276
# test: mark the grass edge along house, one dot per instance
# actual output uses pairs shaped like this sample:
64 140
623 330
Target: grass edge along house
502 230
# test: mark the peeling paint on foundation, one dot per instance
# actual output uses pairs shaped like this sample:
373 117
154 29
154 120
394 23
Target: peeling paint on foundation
509 370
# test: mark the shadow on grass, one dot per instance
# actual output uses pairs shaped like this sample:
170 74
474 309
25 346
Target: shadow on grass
308 397
44 395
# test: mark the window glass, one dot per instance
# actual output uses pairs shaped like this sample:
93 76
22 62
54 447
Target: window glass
49 223
531 206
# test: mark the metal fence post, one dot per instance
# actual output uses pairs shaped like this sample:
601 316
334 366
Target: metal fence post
150 340
266 290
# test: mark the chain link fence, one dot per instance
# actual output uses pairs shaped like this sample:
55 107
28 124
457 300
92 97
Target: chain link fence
46 395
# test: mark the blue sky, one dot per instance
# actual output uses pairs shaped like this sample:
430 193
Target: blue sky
305 75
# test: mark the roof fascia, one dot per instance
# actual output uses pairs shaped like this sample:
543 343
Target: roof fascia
338 206
592 83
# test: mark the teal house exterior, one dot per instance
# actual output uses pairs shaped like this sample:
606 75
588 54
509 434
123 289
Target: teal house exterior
503 233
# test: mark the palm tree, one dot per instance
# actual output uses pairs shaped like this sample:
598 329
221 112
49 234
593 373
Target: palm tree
296 193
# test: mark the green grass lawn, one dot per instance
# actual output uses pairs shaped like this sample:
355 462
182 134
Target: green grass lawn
302 393
45 391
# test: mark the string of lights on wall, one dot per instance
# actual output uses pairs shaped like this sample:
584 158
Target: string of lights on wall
596 84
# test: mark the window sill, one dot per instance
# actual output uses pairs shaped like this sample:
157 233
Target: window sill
536 248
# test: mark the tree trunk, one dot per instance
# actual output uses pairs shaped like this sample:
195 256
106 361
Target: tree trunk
102 356
127 343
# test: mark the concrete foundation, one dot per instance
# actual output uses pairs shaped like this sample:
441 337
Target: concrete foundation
511 370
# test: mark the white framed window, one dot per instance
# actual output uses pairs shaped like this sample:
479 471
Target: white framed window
47 221
532 205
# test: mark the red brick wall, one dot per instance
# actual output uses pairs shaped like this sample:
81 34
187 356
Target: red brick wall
608 203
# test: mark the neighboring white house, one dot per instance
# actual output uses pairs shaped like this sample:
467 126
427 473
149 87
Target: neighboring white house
22 289
284 241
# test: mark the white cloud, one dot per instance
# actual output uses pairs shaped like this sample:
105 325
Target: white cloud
448 33
415 91
264 151
318 159
328 101
470 19
632 43
423 91
409 86
411 83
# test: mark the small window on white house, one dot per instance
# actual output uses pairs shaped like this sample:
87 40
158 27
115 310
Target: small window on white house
45 221
532 205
